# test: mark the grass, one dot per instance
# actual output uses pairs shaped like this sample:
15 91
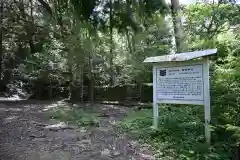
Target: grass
180 134
74 115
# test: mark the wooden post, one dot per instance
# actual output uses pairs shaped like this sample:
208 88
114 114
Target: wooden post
155 104
207 107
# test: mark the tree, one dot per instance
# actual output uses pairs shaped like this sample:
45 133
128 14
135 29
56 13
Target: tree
57 42
217 26
177 25
1 42
204 22
111 41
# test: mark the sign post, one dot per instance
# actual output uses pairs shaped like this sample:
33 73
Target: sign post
179 79
155 104
207 107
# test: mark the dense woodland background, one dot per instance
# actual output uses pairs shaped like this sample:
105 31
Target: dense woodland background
85 49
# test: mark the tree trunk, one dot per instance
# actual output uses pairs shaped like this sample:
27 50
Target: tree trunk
91 82
175 8
81 81
71 83
46 6
30 30
133 43
130 38
129 45
1 44
28 27
111 43
7 73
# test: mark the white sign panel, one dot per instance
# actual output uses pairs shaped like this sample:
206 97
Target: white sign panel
177 79
182 83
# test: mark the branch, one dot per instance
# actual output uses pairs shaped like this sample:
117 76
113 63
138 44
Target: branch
209 27
46 6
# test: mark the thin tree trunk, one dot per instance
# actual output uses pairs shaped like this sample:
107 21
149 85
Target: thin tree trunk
129 43
30 31
129 12
28 27
111 43
133 43
91 92
1 43
129 9
59 19
46 6
177 25
71 83
82 87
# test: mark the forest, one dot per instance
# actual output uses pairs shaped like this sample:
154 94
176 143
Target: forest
93 50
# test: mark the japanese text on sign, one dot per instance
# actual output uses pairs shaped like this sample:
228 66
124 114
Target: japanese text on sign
180 83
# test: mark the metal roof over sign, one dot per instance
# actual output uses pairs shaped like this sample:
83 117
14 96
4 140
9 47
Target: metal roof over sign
180 56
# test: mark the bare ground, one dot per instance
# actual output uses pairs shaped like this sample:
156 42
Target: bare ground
23 135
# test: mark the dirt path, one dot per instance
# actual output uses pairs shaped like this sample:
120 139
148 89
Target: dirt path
23 136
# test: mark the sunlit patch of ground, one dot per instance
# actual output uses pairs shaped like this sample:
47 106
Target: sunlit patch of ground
57 104
74 131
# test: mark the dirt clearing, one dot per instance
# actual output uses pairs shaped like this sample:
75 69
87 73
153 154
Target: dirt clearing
27 133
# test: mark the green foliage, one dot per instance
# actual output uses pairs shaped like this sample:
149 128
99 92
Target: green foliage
204 22
180 134
60 40
75 116
83 8
235 130
217 26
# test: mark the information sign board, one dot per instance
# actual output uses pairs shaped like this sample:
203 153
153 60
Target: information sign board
180 83
179 79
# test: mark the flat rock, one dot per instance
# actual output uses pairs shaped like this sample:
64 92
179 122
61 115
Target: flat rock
105 152
85 141
56 127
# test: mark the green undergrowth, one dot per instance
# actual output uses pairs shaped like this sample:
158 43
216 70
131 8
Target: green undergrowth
180 134
74 115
